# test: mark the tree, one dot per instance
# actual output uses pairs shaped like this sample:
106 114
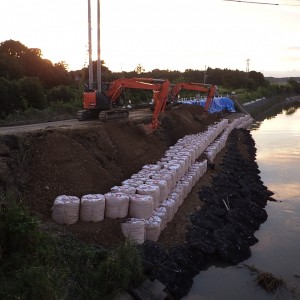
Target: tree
139 69
33 92
10 97
13 48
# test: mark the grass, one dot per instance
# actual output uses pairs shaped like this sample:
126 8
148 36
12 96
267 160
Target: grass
55 112
38 265
266 280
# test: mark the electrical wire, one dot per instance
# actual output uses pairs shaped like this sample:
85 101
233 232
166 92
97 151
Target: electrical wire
263 3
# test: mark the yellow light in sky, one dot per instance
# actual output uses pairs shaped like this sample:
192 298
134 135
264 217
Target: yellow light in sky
164 34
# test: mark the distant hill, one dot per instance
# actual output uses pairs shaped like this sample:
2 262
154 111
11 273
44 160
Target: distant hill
282 80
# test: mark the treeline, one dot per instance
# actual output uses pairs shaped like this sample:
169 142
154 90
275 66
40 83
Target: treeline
29 81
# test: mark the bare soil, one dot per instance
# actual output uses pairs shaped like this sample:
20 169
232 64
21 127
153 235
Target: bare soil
79 160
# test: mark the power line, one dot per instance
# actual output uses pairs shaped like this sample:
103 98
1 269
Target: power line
263 3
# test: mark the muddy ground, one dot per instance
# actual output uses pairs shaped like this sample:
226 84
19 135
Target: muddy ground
44 164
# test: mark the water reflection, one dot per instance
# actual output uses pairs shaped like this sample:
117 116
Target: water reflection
278 250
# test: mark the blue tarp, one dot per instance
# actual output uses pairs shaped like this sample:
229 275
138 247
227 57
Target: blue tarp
222 103
218 104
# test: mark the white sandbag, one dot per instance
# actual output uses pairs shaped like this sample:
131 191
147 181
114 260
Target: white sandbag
164 176
162 185
173 176
188 179
141 177
152 190
182 158
151 167
186 187
162 213
169 205
177 169
126 189
140 206
132 182
152 228
65 209
147 173
116 205
193 174
176 198
134 229
92 208
197 171
180 191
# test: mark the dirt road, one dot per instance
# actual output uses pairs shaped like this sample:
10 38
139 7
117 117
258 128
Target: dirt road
68 124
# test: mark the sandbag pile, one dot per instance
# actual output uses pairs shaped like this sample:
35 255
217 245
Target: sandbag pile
246 122
65 209
92 208
116 205
151 197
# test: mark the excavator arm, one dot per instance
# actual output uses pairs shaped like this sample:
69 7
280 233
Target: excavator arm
210 90
118 85
160 98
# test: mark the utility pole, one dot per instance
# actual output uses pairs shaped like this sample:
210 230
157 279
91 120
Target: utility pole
247 71
98 49
90 47
247 65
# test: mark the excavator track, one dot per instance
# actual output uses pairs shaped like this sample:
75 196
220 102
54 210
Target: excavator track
83 115
113 114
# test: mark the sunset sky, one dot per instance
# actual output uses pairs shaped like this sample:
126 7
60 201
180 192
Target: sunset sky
162 34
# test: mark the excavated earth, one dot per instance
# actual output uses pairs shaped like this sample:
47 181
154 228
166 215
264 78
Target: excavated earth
41 165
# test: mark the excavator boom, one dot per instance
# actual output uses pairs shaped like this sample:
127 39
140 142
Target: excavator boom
210 90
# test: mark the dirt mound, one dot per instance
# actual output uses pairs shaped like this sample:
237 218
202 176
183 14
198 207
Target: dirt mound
95 157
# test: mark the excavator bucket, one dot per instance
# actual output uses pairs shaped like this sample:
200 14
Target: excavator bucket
146 128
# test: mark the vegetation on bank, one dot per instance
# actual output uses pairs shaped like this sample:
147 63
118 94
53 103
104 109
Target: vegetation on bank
35 264
33 89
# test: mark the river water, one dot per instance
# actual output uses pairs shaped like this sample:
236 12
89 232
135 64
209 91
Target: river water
277 141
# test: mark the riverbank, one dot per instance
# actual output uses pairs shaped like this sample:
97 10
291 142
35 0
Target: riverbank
50 162
222 227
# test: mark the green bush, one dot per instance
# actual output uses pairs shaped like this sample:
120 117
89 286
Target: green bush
33 92
39 265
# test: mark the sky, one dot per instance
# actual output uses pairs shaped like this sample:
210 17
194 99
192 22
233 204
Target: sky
161 34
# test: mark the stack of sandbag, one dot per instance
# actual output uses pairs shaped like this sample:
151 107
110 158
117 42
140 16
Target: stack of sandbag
134 229
161 212
169 205
152 190
162 185
116 205
92 208
126 189
140 206
134 182
152 228
65 209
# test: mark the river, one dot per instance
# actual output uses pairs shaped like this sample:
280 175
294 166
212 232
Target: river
277 141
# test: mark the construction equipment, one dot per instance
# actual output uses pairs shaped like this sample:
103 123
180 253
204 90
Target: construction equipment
103 104
209 89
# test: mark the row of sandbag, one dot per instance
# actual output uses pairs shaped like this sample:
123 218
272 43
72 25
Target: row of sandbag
153 183
213 149
150 229
156 180
137 200
141 229
182 155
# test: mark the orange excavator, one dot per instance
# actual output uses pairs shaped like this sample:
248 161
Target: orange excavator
102 105
209 89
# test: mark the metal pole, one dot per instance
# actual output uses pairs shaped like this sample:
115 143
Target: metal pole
98 49
90 46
